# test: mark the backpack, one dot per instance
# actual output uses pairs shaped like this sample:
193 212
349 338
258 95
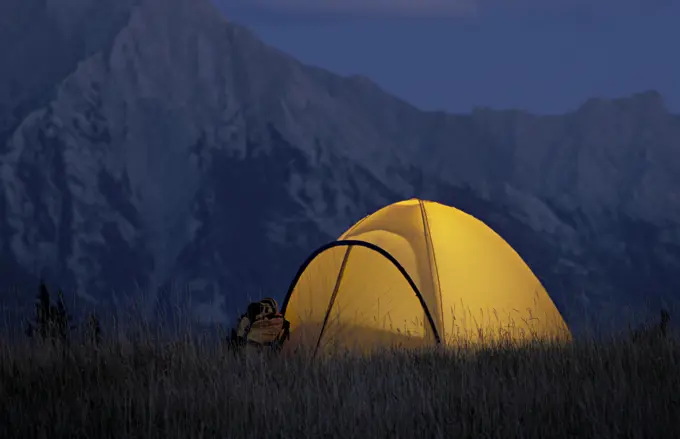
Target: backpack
263 325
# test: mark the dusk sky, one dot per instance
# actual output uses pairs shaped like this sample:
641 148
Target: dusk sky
544 56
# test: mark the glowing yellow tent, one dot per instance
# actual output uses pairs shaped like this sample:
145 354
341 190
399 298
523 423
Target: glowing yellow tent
417 273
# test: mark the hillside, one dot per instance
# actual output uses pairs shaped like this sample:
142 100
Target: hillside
168 146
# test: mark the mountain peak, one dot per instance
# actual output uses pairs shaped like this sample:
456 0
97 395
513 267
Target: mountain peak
170 146
648 100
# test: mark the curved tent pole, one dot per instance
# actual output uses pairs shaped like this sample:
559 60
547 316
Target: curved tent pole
375 248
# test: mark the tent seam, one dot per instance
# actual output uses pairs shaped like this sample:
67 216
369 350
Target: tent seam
434 272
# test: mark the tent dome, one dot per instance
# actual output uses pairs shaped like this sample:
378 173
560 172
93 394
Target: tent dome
418 273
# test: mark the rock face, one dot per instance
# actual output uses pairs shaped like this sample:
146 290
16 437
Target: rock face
165 146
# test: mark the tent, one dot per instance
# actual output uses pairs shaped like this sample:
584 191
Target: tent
418 273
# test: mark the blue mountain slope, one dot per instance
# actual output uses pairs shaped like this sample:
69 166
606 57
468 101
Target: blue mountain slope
179 152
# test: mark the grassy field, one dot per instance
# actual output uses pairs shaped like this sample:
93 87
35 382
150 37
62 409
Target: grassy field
146 388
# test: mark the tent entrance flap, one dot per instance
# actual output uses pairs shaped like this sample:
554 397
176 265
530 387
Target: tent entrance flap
334 298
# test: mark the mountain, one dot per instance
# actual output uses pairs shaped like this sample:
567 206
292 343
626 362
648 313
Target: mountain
152 146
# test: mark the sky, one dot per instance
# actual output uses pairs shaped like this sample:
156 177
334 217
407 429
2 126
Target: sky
544 56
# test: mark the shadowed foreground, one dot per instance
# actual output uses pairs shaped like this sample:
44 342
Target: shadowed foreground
149 389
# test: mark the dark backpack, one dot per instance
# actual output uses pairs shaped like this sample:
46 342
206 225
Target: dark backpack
262 325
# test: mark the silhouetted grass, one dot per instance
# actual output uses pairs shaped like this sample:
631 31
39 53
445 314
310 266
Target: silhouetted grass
149 387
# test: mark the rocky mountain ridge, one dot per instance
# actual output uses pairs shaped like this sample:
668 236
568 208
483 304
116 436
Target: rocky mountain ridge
178 149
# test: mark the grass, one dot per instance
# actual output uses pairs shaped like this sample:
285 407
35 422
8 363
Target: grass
143 386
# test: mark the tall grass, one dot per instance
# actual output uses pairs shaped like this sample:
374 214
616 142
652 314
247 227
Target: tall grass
148 386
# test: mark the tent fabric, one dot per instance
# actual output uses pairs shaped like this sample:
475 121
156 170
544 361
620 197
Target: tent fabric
417 273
